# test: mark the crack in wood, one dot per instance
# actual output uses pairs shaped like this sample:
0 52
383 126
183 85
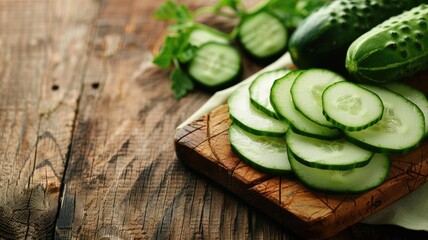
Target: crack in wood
186 131
209 138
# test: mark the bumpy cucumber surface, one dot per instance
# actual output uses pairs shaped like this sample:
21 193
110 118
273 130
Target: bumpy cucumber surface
324 37
394 49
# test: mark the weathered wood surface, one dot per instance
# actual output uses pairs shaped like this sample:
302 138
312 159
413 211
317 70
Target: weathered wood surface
87 133
43 53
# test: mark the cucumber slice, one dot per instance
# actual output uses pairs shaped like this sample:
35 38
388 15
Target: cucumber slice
356 180
327 154
351 107
401 128
263 35
260 90
412 94
307 93
202 34
215 65
252 120
283 104
267 154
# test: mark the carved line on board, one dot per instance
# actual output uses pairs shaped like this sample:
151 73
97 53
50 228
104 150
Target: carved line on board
217 158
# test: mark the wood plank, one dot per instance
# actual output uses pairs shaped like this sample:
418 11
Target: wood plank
123 179
42 56
204 146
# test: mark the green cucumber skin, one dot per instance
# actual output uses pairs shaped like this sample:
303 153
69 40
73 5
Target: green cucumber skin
325 166
331 189
265 59
395 49
263 109
382 149
227 83
255 132
260 106
328 167
323 38
258 166
212 34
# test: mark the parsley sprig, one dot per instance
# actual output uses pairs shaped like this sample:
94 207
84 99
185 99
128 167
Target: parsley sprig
177 49
293 12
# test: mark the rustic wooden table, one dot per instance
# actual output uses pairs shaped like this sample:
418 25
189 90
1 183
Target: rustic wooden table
86 133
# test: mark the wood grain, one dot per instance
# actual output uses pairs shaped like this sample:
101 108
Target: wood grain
122 178
87 128
42 56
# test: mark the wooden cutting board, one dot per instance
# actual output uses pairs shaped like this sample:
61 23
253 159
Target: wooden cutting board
204 146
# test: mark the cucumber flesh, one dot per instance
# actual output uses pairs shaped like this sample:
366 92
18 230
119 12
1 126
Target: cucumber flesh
351 107
268 154
215 65
282 102
401 128
201 35
307 93
327 154
263 35
260 90
249 118
356 180
412 94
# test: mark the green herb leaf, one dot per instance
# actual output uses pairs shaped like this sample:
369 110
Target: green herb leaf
170 10
233 4
181 83
166 55
166 10
184 51
186 54
293 12
180 26
176 47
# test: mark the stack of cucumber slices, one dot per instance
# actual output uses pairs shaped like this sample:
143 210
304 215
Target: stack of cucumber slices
332 134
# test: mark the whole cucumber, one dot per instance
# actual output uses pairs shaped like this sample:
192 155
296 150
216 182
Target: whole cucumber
394 49
323 38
